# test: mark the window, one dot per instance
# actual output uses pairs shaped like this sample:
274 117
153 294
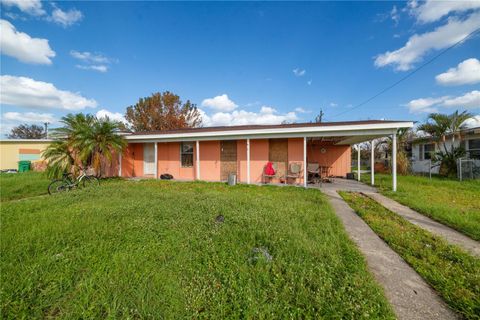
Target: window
474 148
186 154
427 151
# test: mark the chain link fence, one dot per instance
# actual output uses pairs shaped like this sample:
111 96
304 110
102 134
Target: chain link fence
468 169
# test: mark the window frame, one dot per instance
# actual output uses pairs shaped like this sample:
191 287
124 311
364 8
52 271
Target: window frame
427 155
188 153
469 150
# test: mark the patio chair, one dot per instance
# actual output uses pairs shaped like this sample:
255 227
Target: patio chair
269 176
294 171
313 170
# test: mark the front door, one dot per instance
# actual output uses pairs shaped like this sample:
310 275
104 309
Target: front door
228 158
148 158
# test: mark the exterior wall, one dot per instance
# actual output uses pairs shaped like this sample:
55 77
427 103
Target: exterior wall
12 151
336 156
169 159
295 154
258 159
242 160
209 160
132 160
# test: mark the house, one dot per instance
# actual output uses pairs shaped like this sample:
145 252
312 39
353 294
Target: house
212 153
423 148
14 150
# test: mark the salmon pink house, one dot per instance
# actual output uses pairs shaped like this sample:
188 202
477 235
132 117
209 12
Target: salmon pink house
298 152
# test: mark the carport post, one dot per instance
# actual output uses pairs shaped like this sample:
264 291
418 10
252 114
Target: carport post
156 159
198 159
305 162
394 161
372 164
358 161
248 161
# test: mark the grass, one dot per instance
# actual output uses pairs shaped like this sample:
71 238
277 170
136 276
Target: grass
450 202
452 272
152 249
22 185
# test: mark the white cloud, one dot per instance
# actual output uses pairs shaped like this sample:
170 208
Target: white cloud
99 68
23 47
116 116
467 72
433 10
299 72
470 100
395 15
220 103
32 7
419 45
309 82
473 122
333 104
301 110
29 93
89 57
27 117
266 115
92 61
65 18
424 104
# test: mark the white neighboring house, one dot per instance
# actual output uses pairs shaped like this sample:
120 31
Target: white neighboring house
423 149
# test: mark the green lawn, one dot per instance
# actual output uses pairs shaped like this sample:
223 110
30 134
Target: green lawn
451 202
451 271
22 185
152 249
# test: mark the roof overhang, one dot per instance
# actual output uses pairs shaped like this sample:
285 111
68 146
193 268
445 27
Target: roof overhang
355 132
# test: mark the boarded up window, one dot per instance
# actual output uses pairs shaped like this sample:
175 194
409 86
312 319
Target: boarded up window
278 154
228 159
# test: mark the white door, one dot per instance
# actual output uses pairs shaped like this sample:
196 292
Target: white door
148 158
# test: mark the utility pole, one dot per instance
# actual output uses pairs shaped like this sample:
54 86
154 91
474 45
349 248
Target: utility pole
319 117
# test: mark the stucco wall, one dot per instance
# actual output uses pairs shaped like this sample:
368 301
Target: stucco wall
10 152
169 159
336 156
209 160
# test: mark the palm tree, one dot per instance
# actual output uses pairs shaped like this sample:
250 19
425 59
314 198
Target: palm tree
439 126
83 141
59 157
99 142
403 136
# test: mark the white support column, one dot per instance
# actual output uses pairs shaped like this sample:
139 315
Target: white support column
394 161
248 161
198 159
120 163
372 164
358 162
156 159
305 162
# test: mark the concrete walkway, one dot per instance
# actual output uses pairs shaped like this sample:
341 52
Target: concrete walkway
426 223
410 296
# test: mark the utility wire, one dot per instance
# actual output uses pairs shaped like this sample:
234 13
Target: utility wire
411 73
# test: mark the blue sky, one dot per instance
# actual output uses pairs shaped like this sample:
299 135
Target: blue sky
240 62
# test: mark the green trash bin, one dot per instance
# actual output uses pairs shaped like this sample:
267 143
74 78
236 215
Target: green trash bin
24 166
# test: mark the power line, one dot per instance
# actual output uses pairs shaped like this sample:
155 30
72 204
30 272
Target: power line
409 74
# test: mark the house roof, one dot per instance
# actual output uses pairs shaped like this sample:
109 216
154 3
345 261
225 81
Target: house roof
367 129
271 126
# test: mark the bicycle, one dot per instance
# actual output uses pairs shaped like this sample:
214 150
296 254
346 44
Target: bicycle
67 182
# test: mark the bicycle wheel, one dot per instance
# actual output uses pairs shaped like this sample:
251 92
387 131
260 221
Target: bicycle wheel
90 181
57 186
